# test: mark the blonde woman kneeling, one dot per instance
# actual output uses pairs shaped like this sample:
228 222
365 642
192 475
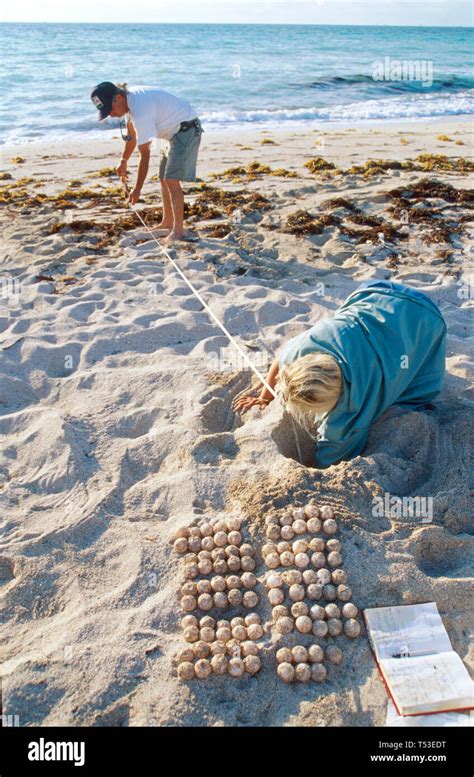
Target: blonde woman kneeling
384 346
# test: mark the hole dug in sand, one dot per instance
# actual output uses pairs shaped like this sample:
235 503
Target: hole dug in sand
283 435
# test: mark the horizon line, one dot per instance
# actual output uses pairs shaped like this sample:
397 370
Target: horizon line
257 24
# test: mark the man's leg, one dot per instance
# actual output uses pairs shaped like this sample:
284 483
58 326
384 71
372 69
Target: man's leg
166 222
176 196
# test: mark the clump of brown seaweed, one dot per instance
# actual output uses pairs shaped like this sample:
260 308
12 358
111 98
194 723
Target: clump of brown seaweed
301 222
219 230
252 171
372 167
228 201
318 164
107 232
427 188
412 205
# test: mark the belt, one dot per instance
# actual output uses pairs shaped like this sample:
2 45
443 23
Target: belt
185 125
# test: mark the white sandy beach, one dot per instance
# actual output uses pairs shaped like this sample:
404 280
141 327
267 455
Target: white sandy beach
116 421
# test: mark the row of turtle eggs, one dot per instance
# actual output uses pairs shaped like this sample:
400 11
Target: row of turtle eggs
219 600
219 664
208 536
208 629
320 585
314 623
314 654
305 663
302 554
301 520
218 584
220 647
335 577
299 607
220 561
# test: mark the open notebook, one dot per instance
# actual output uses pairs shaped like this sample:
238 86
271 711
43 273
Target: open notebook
422 672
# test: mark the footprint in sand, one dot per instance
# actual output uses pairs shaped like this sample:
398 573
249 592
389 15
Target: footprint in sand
440 554
211 449
7 570
217 416
135 424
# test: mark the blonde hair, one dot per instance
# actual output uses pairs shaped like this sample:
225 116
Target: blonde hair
310 387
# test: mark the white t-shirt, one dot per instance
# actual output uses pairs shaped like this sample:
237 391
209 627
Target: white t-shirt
156 113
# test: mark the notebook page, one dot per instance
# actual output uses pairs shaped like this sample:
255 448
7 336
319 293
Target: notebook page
412 628
424 683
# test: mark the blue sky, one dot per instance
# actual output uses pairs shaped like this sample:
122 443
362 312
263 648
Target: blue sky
391 12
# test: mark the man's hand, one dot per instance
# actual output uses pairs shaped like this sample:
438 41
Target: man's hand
242 404
121 171
133 197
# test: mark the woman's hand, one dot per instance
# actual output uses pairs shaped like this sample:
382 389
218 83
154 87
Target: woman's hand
242 404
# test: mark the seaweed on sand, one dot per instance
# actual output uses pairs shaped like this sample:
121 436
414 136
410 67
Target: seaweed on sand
252 171
108 232
423 163
374 167
229 201
373 234
427 188
16 194
442 163
339 202
301 222
363 219
219 230
318 164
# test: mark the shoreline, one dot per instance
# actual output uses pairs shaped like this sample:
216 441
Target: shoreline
248 130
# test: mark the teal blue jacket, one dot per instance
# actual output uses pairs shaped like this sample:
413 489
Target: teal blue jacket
389 341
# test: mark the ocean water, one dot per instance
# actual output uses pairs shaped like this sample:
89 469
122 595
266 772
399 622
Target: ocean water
234 75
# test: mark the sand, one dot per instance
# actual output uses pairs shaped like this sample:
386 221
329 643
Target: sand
116 423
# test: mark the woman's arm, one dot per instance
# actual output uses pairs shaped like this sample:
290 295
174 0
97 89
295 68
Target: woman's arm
244 403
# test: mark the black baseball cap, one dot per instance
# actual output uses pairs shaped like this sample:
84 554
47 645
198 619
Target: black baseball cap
102 96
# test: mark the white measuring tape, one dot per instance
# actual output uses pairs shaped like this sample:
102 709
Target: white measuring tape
220 325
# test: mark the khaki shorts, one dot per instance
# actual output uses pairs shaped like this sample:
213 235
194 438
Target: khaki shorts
179 155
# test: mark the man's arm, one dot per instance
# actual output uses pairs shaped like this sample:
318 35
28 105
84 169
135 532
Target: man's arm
127 151
143 166
144 150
